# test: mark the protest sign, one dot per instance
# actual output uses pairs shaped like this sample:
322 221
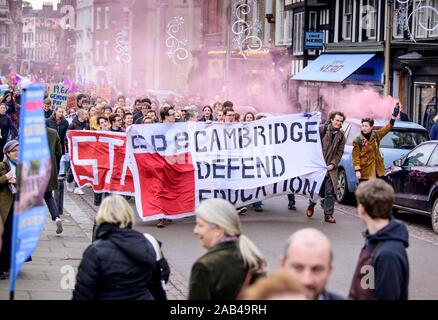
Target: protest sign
98 158
58 93
33 172
170 168
175 166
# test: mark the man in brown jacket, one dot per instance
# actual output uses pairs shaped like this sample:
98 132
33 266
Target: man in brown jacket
333 143
367 160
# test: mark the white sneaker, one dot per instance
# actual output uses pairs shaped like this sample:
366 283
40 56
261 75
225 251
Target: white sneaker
79 191
59 228
70 186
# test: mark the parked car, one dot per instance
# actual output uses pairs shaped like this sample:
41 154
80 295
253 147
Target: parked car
414 178
403 137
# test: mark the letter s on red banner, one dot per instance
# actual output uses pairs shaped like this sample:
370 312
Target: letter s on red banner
98 158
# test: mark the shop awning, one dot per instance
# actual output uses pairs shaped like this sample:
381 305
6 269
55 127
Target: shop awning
333 67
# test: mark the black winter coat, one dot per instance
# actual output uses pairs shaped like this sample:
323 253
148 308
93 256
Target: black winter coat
117 266
77 125
60 127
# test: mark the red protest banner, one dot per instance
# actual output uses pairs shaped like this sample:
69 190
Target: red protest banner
98 158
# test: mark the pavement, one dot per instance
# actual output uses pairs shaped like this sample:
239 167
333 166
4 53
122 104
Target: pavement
51 273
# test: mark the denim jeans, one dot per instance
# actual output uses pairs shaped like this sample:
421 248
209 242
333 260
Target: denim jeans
51 205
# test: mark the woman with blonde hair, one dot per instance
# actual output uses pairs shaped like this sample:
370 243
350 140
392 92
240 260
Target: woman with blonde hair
232 262
121 263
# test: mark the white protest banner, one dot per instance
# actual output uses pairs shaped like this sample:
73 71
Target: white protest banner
58 93
175 166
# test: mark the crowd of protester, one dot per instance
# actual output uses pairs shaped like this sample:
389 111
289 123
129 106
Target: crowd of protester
233 267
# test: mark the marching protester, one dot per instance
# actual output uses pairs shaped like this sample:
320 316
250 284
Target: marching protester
9 101
70 114
58 122
277 286
121 264
230 117
167 115
333 144
104 125
219 116
120 111
383 264
47 108
217 106
7 128
137 113
8 169
308 258
116 123
81 121
55 157
207 114
145 108
232 262
367 160
248 117
79 100
128 120
107 111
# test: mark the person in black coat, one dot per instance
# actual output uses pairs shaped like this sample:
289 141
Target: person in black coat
58 122
6 126
121 264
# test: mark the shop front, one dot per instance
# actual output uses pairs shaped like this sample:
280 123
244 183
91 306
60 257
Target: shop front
320 81
422 87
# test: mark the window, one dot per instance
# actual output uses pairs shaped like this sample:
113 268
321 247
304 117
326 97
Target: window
419 156
105 51
98 10
434 19
433 162
298 33
347 19
397 28
425 21
312 21
97 52
424 104
369 19
3 36
403 139
288 28
279 26
107 10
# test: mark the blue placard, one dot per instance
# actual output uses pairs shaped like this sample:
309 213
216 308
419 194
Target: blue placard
314 40
33 174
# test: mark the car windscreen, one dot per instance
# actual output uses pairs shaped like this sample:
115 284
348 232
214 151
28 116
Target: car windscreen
403 139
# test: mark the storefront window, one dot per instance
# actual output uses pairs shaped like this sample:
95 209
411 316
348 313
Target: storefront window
425 104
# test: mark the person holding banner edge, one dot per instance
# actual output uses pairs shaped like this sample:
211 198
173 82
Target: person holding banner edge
333 144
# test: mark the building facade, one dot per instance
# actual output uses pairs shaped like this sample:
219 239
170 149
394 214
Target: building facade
10 35
40 46
84 41
357 27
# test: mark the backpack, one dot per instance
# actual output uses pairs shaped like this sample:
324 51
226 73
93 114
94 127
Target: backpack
376 137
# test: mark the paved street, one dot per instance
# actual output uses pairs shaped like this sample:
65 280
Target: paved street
42 278
270 229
